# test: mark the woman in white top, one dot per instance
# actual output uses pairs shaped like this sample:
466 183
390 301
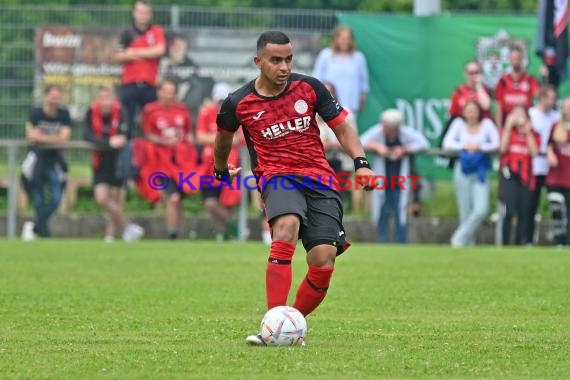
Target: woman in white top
344 67
473 138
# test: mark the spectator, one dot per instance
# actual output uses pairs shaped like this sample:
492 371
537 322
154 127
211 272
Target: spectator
519 144
516 88
140 49
43 170
105 128
392 145
543 116
170 152
472 89
218 200
473 138
345 68
193 89
558 178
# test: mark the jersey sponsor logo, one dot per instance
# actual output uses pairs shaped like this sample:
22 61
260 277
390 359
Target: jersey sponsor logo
301 106
515 98
519 149
256 117
278 130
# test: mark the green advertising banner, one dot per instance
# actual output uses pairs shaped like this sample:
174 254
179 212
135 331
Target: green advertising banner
415 63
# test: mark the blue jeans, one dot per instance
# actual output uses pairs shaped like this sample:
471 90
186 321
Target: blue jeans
46 191
473 204
391 206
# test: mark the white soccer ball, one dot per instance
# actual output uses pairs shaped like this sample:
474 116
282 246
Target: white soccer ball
283 326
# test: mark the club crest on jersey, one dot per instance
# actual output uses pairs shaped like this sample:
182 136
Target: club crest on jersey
300 124
161 123
150 39
301 106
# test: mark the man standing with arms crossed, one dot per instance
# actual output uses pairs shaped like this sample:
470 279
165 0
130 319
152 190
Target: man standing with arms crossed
140 49
277 111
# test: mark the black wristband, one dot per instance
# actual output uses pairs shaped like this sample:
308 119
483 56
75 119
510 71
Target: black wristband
222 175
361 162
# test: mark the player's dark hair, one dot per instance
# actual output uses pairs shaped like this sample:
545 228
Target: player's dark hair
169 81
272 37
51 87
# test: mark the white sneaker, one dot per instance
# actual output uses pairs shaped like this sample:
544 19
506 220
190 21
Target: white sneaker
108 239
255 340
28 233
266 237
133 233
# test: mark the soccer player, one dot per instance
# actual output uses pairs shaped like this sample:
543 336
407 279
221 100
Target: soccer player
517 88
140 49
277 112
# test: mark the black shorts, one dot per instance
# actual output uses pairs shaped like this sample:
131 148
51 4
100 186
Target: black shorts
105 172
320 210
172 188
211 192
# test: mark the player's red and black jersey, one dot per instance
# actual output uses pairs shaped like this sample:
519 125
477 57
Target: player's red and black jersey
281 131
518 158
510 92
141 70
462 94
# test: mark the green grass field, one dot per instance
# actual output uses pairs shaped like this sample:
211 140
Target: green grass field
84 309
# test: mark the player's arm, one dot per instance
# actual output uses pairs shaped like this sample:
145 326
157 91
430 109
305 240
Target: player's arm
483 97
349 140
227 126
155 51
123 53
35 134
499 92
335 116
499 115
88 135
350 143
63 135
